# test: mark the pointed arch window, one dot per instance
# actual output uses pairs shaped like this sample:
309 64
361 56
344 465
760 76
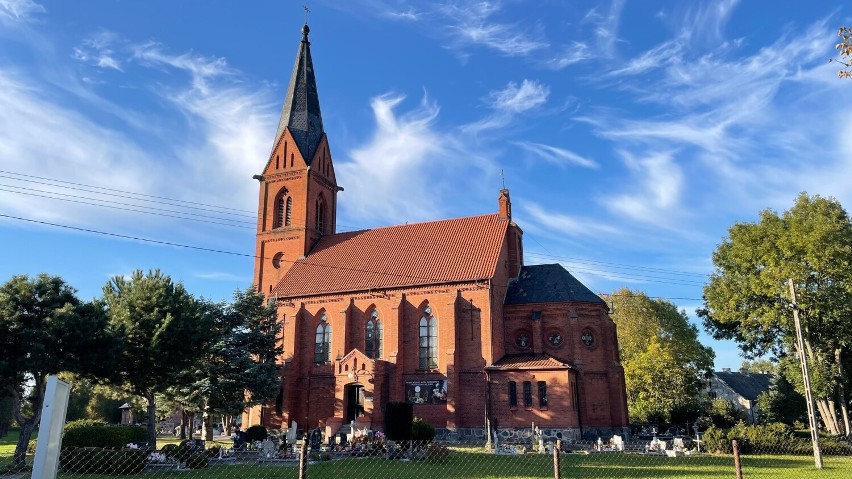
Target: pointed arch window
320 216
373 336
288 214
323 341
279 212
428 340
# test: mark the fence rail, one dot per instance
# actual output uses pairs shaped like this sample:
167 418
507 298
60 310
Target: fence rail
377 458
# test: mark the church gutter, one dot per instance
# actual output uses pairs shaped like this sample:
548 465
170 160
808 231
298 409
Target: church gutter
379 292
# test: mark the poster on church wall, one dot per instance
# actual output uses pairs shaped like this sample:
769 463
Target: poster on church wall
426 392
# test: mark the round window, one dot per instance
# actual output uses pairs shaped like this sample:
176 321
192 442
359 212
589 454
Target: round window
588 338
522 340
555 339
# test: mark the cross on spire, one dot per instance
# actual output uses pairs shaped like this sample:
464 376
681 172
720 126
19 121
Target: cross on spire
503 178
307 11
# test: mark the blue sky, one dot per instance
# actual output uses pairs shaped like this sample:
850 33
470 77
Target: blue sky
631 134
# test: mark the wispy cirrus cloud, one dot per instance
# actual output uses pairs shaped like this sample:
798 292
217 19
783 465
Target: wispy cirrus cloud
555 155
19 10
508 102
98 50
605 24
654 193
407 143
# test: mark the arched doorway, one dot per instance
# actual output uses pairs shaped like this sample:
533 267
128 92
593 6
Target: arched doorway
353 400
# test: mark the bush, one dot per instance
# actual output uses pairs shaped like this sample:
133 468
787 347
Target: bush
422 431
171 451
99 435
256 433
128 461
197 461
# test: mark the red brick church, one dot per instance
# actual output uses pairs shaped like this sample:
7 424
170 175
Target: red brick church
442 314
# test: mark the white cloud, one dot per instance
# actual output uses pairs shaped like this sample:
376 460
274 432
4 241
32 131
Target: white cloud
566 225
655 192
409 15
569 55
517 99
89 153
393 168
98 50
508 102
605 26
19 10
555 155
201 68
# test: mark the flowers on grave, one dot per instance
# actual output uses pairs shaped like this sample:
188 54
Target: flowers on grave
157 458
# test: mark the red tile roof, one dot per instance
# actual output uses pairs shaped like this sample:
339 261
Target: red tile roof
461 249
529 361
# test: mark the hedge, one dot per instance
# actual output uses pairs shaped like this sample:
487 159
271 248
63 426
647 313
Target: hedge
256 433
99 435
771 438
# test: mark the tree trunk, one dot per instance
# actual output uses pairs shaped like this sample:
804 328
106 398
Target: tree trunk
27 424
226 424
183 420
841 391
206 424
828 420
824 406
190 431
152 420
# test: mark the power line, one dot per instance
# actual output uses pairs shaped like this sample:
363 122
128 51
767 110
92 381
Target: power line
247 255
217 220
123 191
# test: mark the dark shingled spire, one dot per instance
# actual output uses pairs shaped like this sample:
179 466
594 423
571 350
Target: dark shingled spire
301 112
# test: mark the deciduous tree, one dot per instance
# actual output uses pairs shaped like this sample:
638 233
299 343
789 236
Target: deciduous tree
747 298
664 362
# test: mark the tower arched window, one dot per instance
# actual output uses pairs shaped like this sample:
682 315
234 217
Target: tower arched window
323 341
280 212
320 216
428 340
288 214
373 336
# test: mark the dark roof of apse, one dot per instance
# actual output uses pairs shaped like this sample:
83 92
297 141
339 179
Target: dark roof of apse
748 385
301 111
548 283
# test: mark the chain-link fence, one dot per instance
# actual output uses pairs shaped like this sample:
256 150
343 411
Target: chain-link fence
374 457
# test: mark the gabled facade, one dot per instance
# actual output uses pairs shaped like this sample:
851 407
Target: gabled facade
442 314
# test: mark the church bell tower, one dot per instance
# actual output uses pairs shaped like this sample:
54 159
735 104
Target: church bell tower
297 202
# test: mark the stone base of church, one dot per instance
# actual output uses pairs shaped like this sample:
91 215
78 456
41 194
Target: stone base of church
476 435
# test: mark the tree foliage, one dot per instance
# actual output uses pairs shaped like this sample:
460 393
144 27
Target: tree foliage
239 367
163 330
747 298
844 49
46 329
663 360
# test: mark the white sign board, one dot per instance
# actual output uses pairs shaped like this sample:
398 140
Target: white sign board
50 430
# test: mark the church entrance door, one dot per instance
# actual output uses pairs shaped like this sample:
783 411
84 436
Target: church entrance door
353 399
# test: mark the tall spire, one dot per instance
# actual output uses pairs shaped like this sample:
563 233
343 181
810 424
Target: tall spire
301 112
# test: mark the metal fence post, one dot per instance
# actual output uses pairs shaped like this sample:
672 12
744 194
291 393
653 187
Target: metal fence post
737 466
303 459
557 460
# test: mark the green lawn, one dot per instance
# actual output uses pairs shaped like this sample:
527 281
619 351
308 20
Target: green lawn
482 466
467 463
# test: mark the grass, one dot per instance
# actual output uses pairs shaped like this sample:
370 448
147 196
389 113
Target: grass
484 466
470 463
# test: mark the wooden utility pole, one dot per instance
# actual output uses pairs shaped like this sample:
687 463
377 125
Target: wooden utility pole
738 468
557 461
809 398
303 458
